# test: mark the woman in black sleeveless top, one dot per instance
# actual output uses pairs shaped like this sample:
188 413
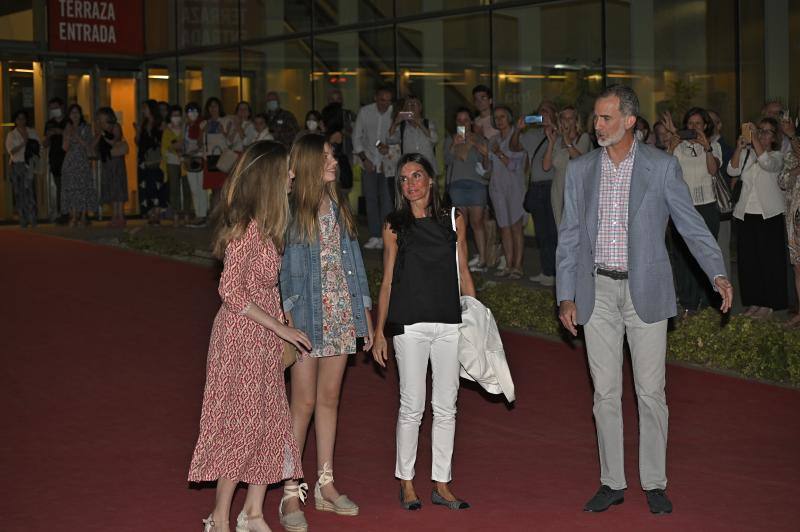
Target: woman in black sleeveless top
419 305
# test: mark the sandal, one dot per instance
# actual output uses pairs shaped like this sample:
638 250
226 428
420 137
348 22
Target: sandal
294 521
342 505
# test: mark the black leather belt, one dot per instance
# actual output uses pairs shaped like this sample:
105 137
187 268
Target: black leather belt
613 274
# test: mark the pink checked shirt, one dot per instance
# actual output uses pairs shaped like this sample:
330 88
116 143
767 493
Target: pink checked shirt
612 233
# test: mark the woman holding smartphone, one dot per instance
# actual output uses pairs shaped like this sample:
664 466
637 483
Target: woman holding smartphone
412 132
325 293
466 159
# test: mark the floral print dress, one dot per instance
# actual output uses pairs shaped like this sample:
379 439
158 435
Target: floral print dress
338 326
791 187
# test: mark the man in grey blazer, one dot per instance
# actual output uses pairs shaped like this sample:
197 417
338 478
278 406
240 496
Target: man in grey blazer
614 277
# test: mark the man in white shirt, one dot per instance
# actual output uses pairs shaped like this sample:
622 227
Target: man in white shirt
369 144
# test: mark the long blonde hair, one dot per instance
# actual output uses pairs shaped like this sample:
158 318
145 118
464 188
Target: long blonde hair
307 161
255 191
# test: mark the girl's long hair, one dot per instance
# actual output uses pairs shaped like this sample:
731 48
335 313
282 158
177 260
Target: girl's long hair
307 161
255 191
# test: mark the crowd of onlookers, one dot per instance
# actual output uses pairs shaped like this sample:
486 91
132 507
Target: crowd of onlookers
498 168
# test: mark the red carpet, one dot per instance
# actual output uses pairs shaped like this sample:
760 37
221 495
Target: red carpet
103 360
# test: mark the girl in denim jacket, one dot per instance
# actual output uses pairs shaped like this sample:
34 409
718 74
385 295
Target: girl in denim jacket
325 294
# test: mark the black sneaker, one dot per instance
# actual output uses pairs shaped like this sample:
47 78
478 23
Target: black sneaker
604 498
658 502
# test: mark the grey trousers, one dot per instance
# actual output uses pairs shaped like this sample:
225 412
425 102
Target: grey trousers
612 318
375 187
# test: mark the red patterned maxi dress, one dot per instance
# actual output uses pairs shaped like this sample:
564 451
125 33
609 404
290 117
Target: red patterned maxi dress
245 425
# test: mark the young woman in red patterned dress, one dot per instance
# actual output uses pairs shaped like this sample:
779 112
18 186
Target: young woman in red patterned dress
245 425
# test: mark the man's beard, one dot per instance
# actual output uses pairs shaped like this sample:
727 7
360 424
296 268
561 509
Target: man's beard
614 139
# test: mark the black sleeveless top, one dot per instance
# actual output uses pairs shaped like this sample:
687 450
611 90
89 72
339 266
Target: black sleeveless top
425 280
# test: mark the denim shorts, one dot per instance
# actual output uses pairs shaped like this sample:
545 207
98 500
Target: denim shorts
468 193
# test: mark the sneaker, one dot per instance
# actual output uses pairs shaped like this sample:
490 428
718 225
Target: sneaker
374 243
536 278
548 280
474 261
198 223
478 267
501 263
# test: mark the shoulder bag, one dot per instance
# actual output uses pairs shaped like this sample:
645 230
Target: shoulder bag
529 203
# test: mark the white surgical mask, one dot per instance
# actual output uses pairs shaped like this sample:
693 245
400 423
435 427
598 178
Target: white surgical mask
311 125
175 120
192 115
55 113
272 105
639 135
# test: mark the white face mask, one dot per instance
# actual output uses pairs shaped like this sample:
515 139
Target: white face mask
311 125
272 105
192 115
639 135
175 120
55 113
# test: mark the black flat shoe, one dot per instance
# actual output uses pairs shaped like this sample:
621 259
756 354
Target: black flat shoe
416 504
658 502
453 505
603 499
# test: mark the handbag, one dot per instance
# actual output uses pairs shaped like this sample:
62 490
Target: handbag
227 160
723 195
529 203
289 354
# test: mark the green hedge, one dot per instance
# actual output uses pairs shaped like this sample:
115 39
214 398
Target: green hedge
751 348
154 242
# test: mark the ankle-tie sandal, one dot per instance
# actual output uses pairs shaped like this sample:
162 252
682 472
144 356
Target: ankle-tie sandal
342 505
242 521
294 521
208 524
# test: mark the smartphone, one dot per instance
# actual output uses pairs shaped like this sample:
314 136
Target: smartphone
405 115
378 143
785 114
461 130
687 134
747 133
533 119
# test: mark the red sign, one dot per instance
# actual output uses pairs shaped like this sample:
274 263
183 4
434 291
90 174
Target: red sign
96 26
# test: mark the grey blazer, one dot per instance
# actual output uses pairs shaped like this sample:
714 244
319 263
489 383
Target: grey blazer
658 191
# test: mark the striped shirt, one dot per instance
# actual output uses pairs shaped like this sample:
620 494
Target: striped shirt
611 250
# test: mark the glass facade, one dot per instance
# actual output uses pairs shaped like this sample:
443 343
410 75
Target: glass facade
726 55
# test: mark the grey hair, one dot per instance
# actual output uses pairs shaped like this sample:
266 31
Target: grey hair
628 101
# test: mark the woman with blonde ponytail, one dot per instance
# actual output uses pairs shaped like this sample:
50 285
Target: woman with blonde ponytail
245 425
325 293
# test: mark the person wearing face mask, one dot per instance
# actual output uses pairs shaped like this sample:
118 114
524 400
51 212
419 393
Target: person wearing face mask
281 122
193 161
313 125
180 197
700 159
53 141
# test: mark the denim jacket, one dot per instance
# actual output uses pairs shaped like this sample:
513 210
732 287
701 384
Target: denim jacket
301 283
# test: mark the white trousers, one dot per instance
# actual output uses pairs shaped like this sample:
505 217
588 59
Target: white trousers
437 342
199 195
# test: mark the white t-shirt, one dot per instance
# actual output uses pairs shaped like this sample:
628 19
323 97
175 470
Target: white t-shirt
14 139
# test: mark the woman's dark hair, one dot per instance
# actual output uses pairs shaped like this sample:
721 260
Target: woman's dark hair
20 112
207 107
333 117
109 112
777 139
262 116
708 130
192 106
80 110
403 217
313 114
155 114
246 104
175 109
